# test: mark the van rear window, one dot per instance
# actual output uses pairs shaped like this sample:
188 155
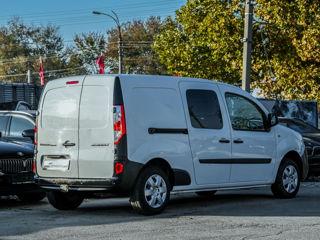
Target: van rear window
60 108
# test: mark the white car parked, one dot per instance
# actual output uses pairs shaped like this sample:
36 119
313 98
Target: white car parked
147 136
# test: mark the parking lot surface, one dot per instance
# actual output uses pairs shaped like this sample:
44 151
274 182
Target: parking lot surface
241 214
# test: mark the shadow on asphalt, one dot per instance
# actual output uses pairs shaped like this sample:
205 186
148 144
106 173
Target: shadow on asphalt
245 203
12 202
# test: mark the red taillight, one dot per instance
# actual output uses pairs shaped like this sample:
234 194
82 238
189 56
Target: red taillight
34 167
118 168
35 133
35 145
119 123
72 82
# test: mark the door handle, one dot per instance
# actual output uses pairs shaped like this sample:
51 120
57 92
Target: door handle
224 140
68 144
239 140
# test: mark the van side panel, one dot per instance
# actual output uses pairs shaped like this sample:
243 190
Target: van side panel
156 104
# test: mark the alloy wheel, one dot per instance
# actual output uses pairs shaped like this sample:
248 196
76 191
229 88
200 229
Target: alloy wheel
155 191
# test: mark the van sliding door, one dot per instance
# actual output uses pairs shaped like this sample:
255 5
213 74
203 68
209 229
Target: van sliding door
209 133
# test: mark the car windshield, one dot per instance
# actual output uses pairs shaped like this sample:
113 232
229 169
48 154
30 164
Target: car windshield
299 126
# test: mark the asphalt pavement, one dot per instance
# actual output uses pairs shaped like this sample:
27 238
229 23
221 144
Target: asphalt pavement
240 214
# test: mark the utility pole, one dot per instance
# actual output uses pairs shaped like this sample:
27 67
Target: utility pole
115 18
247 42
29 72
29 75
120 49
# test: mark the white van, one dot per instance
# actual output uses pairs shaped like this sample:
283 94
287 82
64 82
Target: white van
147 136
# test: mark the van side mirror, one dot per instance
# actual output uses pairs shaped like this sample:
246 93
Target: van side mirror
28 133
0 134
272 120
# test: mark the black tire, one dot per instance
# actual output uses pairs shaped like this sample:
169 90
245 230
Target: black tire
65 201
31 197
206 193
141 202
282 190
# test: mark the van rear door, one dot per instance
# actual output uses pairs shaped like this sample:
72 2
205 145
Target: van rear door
58 129
96 137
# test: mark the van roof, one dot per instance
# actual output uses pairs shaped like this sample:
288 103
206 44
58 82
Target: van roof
137 77
154 78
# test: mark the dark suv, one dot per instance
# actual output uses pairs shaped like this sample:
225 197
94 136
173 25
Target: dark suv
16 156
311 139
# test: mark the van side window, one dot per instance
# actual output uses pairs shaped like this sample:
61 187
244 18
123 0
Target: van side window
244 114
204 109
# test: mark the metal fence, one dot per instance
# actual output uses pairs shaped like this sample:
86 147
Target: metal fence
11 92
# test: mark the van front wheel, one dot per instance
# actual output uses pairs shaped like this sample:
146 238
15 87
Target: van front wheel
287 181
65 201
152 191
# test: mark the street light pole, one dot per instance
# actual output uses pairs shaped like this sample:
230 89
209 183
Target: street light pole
247 42
116 20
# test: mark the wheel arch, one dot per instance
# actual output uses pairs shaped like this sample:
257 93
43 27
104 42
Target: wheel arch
293 155
164 165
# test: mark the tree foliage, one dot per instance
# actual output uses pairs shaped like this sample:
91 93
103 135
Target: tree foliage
22 45
138 55
204 41
292 34
87 48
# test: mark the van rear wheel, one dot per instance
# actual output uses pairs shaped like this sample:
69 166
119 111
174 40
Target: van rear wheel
287 181
152 191
65 201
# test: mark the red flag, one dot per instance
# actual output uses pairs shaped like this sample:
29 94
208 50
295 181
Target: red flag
101 64
40 71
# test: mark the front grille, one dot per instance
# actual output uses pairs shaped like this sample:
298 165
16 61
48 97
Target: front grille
309 151
16 165
316 151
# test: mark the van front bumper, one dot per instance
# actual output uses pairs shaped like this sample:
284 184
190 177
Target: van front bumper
76 184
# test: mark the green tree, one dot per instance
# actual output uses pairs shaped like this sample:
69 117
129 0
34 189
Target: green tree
21 47
204 41
291 32
138 55
85 52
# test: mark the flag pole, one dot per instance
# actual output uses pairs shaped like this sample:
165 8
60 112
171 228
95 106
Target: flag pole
40 71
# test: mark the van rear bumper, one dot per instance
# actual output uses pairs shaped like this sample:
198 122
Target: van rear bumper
76 184
121 183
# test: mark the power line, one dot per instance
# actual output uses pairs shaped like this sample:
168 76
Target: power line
51 71
84 20
125 42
